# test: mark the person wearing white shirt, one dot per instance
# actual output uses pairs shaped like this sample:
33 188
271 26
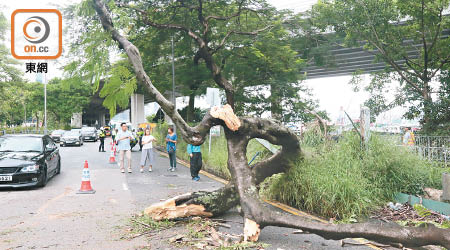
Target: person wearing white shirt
147 150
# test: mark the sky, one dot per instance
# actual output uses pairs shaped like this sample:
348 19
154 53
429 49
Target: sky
331 92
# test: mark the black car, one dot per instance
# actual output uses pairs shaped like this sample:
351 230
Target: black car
56 134
89 133
28 160
72 137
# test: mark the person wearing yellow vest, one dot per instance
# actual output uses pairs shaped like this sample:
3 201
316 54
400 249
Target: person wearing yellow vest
408 137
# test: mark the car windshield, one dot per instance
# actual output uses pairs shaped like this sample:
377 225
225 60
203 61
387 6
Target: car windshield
88 129
72 133
58 132
20 144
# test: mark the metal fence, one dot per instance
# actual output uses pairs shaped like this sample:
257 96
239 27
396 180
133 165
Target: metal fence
433 148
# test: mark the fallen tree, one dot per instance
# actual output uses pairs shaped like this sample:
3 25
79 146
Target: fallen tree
243 188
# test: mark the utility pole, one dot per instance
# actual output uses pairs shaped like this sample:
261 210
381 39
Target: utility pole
45 103
174 100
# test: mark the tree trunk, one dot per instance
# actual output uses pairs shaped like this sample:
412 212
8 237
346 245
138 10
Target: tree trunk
190 109
276 108
427 106
245 180
201 203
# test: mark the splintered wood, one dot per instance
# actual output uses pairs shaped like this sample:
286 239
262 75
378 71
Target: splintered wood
226 114
169 210
251 230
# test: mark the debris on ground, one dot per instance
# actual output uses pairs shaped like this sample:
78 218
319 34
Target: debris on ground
406 212
195 232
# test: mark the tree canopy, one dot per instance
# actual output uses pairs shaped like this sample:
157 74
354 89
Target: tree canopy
409 36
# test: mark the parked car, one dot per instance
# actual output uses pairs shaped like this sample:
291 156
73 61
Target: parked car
56 135
89 133
72 137
28 160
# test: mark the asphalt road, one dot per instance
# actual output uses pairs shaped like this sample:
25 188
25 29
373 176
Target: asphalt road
55 217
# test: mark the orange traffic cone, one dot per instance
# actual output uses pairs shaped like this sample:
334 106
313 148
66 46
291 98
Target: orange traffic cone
86 181
112 157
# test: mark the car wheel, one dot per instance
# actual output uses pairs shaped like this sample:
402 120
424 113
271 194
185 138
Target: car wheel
43 181
58 168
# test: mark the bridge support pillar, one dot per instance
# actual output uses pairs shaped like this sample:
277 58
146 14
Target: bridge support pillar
76 121
101 119
137 111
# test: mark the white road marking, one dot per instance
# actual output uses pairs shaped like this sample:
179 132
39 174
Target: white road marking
124 186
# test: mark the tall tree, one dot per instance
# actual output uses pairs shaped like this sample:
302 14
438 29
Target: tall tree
408 35
10 78
238 132
267 68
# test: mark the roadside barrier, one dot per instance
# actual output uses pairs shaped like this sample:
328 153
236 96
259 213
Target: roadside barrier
112 156
86 181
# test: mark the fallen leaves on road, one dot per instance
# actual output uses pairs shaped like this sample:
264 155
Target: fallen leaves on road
195 232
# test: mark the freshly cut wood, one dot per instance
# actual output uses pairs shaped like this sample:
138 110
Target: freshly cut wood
226 114
169 210
251 230
433 194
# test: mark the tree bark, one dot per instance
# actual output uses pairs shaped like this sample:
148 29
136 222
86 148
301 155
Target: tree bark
243 187
191 107
276 108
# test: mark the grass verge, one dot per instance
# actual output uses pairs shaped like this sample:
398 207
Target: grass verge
340 180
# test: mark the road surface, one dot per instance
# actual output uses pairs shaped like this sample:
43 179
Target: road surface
55 217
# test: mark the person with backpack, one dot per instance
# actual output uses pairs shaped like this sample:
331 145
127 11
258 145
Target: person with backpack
171 142
195 155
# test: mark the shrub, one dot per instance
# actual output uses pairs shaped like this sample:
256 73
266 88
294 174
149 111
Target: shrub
344 181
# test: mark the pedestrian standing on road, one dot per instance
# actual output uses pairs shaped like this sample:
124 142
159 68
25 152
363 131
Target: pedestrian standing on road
195 155
113 134
123 145
140 134
147 150
171 141
102 136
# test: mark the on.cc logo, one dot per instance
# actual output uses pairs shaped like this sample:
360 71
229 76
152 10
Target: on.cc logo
36 34
36 29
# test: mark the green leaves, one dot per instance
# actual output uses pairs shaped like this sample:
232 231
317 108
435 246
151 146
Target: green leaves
118 87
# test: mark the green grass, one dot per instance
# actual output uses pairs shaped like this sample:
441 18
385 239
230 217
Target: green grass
342 181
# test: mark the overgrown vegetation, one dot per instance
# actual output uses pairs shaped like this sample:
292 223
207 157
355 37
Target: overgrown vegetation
341 180
337 179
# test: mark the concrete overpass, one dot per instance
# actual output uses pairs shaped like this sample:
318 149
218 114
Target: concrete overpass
95 114
346 61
